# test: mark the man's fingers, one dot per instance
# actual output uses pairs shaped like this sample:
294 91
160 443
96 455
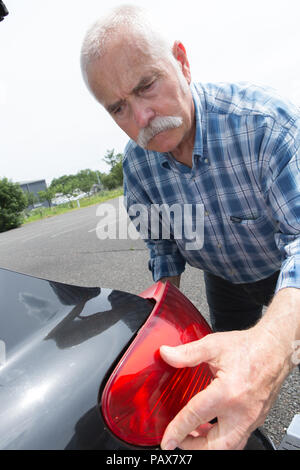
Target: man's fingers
213 441
202 430
194 443
202 408
187 355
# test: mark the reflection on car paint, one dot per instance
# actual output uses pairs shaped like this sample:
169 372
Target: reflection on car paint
60 343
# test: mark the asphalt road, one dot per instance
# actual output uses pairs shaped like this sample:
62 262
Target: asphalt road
66 248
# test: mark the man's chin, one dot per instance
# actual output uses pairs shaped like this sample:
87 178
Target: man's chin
161 143
159 148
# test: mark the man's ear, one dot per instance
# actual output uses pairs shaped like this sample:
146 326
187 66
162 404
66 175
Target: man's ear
180 55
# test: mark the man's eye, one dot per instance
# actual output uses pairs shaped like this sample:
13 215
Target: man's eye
147 87
118 110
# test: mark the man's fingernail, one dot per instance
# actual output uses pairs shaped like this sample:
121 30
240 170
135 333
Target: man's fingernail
168 350
170 445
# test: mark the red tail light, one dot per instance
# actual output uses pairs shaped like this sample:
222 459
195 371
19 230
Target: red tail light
144 393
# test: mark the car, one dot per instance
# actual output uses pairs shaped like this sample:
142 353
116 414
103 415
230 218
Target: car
80 366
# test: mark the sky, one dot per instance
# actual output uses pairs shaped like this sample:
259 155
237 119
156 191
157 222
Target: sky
50 125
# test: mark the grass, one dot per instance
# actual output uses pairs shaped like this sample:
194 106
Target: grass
44 212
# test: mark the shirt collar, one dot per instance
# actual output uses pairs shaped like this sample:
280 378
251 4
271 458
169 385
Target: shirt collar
198 144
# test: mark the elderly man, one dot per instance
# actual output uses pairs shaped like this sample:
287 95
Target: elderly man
232 149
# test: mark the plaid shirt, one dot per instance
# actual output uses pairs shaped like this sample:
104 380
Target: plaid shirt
245 172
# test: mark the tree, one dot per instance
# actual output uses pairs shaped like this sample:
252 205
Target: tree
31 198
57 184
115 177
86 179
47 195
67 184
12 203
111 159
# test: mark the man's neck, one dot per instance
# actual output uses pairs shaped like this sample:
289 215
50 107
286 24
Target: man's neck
185 156
184 152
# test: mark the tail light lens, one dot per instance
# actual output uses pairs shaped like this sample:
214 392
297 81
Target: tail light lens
144 393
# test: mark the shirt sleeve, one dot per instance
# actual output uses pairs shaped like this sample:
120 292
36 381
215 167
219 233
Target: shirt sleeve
165 257
284 200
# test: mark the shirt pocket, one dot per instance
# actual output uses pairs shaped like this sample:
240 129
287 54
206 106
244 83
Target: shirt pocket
254 231
245 219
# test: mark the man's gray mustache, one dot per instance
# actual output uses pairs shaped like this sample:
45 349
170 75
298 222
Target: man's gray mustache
157 125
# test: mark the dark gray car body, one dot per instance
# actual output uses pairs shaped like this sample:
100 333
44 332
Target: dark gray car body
60 343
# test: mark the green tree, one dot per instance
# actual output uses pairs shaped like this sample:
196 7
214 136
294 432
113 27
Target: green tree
67 184
86 179
47 195
69 188
113 159
12 203
115 176
31 198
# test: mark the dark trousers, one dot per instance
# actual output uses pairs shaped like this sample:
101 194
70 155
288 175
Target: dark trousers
237 306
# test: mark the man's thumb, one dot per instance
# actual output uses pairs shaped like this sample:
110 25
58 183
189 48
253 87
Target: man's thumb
186 355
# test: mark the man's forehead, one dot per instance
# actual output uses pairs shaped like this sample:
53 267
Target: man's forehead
127 61
114 82
128 48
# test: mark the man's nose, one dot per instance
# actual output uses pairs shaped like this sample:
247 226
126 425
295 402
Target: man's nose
143 114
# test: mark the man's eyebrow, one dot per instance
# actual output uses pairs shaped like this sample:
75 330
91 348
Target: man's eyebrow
113 107
142 83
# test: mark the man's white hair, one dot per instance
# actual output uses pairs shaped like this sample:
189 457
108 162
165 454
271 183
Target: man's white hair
128 18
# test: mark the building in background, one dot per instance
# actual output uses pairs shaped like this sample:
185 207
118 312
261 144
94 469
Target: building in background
34 187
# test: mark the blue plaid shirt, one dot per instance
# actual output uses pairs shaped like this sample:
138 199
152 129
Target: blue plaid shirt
246 174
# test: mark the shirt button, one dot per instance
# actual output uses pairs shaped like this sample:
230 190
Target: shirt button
206 160
206 213
219 245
